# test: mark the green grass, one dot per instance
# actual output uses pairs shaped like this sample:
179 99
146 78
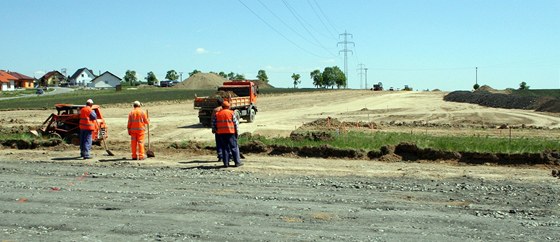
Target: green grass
111 96
374 141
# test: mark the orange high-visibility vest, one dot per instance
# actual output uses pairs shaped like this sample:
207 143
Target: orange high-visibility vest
85 120
137 121
224 122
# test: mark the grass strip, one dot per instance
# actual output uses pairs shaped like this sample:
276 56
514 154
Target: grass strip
374 141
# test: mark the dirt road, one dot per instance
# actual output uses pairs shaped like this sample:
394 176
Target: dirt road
49 194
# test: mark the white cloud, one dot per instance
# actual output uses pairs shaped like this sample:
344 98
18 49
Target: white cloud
201 51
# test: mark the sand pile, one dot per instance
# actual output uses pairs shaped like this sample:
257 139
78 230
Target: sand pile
202 81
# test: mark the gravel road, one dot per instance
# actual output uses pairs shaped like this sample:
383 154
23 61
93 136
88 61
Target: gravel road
69 200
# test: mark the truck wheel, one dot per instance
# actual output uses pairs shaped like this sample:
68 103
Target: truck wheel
237 115
252 114
72 139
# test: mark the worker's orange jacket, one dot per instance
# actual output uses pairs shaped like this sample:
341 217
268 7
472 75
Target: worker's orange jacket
225 122
137 120
86 123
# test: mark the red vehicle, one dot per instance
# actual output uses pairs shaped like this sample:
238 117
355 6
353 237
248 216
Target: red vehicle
243 101
66 124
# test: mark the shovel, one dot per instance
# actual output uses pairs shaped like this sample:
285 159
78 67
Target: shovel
149 153
103 140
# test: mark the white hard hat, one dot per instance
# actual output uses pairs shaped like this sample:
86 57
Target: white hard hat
89 101
137 103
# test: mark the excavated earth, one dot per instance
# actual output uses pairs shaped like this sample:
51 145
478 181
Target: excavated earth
397 193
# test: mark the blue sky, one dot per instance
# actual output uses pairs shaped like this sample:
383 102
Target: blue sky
426 44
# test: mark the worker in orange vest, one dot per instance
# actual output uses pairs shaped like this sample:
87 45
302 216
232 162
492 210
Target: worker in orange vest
87 124
137 121
213 117
225 124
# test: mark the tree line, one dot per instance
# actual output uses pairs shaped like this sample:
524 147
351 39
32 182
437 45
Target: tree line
329 78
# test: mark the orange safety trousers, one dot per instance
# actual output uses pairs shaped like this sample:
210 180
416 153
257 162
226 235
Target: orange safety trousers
137 145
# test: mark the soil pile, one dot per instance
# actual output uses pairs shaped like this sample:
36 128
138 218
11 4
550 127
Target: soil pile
485 88
501 100
262 84
202 81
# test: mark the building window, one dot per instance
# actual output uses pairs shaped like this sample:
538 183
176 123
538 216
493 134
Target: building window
83 75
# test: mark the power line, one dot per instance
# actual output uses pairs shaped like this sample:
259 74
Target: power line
298 18
278 32
346 50
326 17
287 25
332 35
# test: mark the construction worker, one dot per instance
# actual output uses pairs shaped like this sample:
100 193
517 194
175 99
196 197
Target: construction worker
218 146
137 121
226 125
88 120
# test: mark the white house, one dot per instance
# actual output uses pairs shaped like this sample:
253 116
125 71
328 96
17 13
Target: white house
105 80
82 77
7 81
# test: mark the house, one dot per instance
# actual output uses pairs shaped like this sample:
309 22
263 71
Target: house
52 78
7 81
22 81
82 77
105 80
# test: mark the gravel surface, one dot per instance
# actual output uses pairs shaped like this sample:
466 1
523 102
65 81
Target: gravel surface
124 201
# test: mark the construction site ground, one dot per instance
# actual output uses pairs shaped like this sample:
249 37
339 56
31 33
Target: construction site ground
182 194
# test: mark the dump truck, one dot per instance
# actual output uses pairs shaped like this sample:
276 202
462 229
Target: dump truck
242 96
65 123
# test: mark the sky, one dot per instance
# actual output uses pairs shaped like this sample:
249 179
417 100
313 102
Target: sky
426 44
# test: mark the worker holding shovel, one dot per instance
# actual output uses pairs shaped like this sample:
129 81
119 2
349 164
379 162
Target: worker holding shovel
137 121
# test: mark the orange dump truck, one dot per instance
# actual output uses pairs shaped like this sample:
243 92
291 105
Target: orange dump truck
242 96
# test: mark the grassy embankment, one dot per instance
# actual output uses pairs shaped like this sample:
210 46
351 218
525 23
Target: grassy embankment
374 141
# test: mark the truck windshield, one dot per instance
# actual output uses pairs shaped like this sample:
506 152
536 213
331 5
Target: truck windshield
239 91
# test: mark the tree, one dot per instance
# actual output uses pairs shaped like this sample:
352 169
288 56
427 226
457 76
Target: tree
317 78
222 74
151 78
195 71
172 75
476 86
329 77
523 86
262 76
239 77
339 77
296 79
130 77
230 76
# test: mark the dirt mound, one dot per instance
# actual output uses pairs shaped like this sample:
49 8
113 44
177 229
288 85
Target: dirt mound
495 100
262 84
202 81
485 88
333 123
502 100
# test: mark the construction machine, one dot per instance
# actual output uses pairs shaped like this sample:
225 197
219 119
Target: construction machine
378 87
65 123
241 95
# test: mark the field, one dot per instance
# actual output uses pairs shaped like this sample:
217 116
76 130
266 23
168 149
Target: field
182 194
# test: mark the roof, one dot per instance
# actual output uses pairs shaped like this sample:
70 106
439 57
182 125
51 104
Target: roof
52 73
20 76
6 77
107 72
77 73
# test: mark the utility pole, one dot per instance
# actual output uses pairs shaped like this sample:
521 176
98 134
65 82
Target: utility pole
361 73
366 78
181 76
346 50
476 75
